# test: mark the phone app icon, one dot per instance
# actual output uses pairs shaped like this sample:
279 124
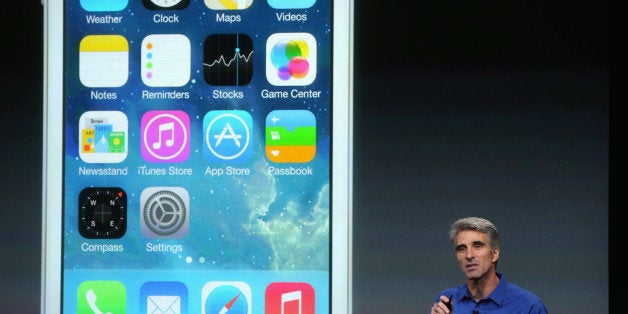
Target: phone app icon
165 212
103 136
291 59
228 4
290 136
291 4
228 59
101 297
102 212
160 297
165 136
165 4
289 298
165 60
221 297
103 60
227 135
103 6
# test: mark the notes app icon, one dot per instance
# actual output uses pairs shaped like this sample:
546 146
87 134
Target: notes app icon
165 136
103 61
289 298
290 136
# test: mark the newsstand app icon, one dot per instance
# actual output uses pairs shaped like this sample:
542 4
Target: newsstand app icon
289 298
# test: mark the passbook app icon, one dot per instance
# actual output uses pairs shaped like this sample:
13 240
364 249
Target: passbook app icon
165 136
165 60
290 136
163 297
289 298
103 61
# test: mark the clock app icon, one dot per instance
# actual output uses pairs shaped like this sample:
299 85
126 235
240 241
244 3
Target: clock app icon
102 212
165 4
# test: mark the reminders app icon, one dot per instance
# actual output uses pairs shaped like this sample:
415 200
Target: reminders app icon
165 60
103 61
159 297
291 59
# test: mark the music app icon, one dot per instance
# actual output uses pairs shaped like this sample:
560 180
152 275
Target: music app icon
289 298
165 136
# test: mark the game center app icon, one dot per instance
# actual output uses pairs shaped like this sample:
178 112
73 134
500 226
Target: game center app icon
165 136
290 136
222 297
103 61
101 297
291 4
289 298
291 59
164 212
103 136
161 297
227 135
165 60
228 4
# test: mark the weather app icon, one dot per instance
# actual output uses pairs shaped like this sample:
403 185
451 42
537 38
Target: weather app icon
227 135
232 297
291 59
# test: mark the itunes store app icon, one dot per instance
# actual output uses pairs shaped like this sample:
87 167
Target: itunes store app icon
165 136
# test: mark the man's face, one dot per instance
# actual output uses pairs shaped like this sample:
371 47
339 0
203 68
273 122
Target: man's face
474 254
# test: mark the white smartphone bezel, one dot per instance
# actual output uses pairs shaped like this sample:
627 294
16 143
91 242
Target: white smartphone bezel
52 175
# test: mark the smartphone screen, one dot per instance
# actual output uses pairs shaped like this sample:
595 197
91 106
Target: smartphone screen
198 156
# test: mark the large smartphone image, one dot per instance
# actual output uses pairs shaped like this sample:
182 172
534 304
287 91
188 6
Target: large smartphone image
197 156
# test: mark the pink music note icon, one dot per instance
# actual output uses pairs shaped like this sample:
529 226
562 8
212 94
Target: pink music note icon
164 128
291 297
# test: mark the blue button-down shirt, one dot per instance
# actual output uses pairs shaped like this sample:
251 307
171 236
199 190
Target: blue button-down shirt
507 298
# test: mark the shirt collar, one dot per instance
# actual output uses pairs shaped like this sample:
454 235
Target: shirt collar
496 296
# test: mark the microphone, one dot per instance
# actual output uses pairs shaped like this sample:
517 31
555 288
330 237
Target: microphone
476 312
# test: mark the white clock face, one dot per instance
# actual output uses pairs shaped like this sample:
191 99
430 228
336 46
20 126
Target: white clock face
166 3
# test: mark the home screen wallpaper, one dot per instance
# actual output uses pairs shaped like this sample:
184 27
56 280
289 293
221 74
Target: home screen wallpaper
197 155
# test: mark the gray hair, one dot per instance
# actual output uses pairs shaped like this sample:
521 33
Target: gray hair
477 224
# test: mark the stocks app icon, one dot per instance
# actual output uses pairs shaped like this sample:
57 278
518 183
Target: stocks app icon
228 59
291 59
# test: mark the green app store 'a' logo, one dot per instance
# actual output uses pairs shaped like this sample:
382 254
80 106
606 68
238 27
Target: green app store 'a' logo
107 297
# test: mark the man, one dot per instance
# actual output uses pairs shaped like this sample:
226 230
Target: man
476 242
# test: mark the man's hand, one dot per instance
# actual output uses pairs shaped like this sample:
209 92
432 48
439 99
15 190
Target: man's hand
443 307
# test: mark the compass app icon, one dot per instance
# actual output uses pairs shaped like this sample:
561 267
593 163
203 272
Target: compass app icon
227 135
233 297
165 212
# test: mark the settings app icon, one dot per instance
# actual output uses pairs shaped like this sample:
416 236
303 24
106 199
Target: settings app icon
165 212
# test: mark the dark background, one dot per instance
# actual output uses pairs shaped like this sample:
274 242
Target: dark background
499 109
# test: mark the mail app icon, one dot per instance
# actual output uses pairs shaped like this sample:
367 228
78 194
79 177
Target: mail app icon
163 304
164 297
